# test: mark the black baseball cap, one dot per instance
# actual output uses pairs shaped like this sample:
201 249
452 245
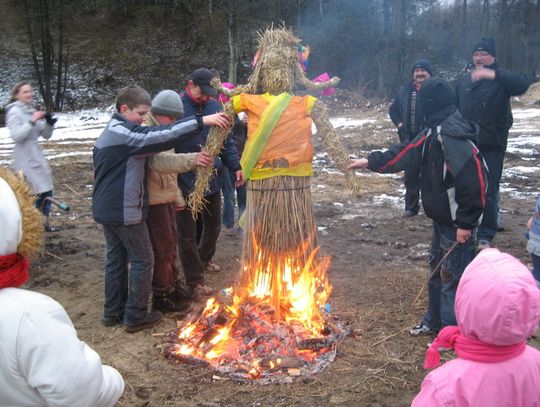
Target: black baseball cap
202 78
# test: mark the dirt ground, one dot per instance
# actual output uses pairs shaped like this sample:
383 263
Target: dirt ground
378 272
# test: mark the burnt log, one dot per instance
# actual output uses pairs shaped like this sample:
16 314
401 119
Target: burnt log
315 343
190 360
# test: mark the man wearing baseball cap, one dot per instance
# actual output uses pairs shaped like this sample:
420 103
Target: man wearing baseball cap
483 96
201 78
196 257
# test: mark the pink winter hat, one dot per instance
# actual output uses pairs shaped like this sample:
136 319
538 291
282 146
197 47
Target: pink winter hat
497 300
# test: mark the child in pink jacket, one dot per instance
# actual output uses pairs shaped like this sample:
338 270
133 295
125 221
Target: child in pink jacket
497 308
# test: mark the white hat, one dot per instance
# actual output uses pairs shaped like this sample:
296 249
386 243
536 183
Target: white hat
10 219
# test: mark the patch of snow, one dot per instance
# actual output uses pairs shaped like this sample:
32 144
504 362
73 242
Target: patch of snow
338 122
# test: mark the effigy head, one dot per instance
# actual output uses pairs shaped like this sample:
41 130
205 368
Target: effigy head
276 62
277 67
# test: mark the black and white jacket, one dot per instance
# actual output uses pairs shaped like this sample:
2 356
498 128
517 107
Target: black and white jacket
453 175
120 196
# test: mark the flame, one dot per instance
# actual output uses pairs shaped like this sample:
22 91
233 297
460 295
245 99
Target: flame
286 289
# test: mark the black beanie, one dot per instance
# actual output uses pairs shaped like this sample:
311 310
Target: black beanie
486 44
424 64
434 96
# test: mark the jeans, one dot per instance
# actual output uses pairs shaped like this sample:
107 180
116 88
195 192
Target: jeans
536 266
490 219
127 290
161 224
228 180
40 198
443 283
193 255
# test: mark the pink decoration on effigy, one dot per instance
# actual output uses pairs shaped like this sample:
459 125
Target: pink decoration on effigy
323 78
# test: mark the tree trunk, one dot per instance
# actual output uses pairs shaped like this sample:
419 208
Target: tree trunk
60 63
233 46
464 44
484 18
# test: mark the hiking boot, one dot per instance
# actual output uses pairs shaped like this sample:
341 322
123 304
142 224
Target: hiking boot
483 244
421 329
210 267
148 321
170 303
111 321
181 294
409 214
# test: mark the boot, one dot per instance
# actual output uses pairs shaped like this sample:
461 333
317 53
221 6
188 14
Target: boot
170 303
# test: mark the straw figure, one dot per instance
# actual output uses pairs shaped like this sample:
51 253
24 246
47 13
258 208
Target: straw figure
280 229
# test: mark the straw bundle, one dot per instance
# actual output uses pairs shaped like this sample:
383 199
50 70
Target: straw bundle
216 139
333 145
279 217
280 233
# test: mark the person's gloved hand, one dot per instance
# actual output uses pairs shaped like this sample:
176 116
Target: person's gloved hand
50 119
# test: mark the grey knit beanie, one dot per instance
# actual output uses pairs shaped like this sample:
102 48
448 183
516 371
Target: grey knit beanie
168 103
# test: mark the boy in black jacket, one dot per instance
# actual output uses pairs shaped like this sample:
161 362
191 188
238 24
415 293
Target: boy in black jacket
453 190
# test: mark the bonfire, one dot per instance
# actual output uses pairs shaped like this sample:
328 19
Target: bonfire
274 325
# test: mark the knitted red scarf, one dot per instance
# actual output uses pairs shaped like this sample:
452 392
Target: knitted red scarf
13 270
451 337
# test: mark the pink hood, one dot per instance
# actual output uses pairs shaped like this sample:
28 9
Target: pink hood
497 300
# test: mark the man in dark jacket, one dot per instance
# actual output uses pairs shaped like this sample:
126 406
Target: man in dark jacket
453 189
483 96
407 116
197 257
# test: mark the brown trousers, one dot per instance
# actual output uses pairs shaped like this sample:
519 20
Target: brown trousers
161 224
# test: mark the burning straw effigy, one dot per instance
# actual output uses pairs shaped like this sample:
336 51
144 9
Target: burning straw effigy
273 326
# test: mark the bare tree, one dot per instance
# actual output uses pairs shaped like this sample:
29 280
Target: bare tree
38 16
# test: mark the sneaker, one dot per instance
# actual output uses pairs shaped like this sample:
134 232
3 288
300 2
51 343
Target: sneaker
112 321
148 321
170 303
210 267
483 244
203 290
409 214
421 329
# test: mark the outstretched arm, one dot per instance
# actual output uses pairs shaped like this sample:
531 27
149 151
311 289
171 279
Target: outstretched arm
332 143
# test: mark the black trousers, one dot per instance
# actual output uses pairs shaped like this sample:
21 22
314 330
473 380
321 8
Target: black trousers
412 190
192 254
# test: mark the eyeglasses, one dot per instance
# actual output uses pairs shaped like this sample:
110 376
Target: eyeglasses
480 54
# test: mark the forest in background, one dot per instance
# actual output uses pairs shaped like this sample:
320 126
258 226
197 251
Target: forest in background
78 53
